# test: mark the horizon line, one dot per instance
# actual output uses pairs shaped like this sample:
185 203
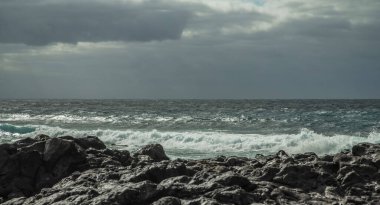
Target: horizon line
1 99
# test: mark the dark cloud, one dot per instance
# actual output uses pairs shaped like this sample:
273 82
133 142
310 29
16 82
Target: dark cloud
43 22
318 49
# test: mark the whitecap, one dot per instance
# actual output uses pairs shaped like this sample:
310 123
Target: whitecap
209 144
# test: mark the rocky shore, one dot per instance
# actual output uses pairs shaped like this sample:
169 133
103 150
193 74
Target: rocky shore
67 170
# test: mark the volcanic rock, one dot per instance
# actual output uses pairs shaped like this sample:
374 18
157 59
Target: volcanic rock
154 151
68 170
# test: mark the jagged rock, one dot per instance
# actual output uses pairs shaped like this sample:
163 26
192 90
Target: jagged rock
305 157
376 160
286 195
138 193
62 157
15 201
106 157
87 142
38 146
156 172
68 170
154 151
168 200
232 195
282 154
55 148
300 176
31 161
266 173
29 164
232 179
24 142
6 150
202 201
16 176
180 187
41 137
365 149
350 179
331 192
235 161
342 158
327 158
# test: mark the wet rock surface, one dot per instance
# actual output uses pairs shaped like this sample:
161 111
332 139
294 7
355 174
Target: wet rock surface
67 170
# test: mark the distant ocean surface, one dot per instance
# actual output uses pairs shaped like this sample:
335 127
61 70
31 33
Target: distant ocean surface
200 128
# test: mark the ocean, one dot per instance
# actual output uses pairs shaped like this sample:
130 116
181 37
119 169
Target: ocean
200 128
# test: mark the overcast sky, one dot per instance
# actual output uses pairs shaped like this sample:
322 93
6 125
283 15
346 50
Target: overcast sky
189 49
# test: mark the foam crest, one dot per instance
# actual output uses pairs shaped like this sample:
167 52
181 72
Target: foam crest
58 118
241 144
199 144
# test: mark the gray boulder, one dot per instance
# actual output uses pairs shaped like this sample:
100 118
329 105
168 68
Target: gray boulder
154 151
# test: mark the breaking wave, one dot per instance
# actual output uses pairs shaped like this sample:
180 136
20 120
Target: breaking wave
58 118
201 144
16 129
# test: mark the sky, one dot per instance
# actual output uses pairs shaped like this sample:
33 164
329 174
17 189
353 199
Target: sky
204 49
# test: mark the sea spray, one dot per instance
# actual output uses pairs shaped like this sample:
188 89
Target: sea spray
201 144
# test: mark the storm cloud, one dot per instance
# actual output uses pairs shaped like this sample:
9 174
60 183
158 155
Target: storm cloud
190 49
42 22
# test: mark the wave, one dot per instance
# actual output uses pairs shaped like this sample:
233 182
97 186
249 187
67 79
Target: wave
198 144
9 133
87 119
59 118
16 129
90 118
239 144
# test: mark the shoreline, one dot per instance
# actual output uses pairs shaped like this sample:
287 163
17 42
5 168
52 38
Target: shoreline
200 144
68 170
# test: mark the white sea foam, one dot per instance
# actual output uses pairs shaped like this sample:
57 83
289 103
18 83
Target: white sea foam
215 143
14 117
61 118
89 119
141 120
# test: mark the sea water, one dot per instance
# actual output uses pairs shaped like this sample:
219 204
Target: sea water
200 128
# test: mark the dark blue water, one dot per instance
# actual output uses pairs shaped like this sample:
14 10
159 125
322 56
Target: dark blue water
200 128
